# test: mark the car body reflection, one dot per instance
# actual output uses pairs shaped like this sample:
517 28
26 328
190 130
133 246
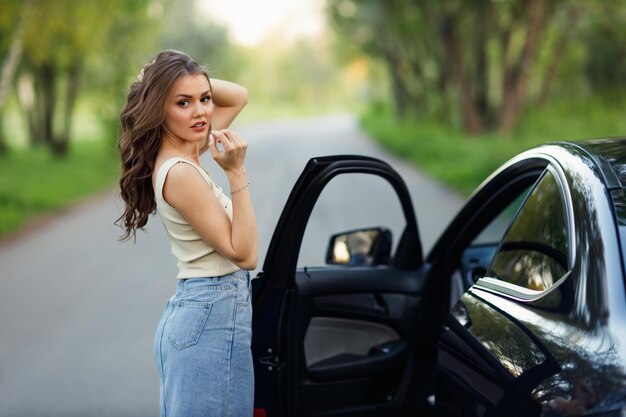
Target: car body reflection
567 348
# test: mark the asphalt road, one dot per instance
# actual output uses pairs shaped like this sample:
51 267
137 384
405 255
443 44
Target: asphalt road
78 309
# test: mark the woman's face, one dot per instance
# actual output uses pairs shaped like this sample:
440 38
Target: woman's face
188 109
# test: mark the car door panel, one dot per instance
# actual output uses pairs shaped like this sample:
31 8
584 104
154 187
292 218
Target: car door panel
337 349
356 343
344 342
318 282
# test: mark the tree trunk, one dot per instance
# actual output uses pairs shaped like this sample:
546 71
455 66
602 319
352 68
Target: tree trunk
472 122
514 93
9 67
45 76
393 58
482 76
31 106
559 50
61 143
397 85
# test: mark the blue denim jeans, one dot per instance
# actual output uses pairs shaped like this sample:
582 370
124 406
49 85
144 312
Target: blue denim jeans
202 348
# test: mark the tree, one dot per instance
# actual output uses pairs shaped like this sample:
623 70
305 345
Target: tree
205 41
483 53
13 26
60 42
128 43
605 68
395 32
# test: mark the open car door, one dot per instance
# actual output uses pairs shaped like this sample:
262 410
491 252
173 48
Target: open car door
339 340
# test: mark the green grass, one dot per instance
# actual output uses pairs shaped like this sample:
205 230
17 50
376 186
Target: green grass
33 182
463 162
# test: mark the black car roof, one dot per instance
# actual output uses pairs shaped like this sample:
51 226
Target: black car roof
609 154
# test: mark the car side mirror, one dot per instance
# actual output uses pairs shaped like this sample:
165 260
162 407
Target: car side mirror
360 247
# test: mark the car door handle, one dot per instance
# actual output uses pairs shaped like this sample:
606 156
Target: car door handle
379 359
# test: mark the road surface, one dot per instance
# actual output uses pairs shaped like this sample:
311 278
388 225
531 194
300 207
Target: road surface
78 309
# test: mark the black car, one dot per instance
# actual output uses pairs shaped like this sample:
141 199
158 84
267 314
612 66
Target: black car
518 310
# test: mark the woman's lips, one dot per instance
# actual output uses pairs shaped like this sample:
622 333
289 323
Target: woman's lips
200 126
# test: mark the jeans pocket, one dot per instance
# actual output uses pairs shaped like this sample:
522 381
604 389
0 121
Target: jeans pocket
188 322
243 297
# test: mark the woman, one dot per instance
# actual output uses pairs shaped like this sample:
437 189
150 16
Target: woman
173 113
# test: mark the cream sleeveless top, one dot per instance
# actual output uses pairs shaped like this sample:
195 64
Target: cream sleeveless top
195 258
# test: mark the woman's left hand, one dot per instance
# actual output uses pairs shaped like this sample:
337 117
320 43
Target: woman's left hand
232 157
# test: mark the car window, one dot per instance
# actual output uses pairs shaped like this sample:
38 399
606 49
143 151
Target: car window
534 251
350 202
493 233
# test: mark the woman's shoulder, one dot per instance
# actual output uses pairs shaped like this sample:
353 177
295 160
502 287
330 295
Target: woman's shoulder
165 167
183 175
180 168
165 163
161 169
182 181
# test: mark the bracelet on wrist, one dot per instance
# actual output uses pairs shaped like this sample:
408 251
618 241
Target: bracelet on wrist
239 189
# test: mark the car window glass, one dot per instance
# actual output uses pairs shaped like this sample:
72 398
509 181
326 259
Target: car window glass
497 227
350 202
478 256
533 254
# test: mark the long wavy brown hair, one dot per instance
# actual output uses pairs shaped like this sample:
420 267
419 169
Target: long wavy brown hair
142 131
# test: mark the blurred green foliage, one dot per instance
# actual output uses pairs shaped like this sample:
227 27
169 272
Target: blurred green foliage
559 64
294 79
480 64
69 50
471 83
463 162
74 60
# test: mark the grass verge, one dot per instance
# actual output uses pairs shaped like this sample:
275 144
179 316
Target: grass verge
33 182
463 162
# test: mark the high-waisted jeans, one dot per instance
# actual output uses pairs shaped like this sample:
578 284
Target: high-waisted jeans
202 348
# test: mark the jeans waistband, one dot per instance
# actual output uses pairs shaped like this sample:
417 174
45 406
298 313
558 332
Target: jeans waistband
228 279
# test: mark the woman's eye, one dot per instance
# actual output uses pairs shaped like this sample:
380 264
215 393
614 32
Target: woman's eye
206 99
183 103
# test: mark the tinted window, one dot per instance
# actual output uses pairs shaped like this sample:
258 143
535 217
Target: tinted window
534 251
492 234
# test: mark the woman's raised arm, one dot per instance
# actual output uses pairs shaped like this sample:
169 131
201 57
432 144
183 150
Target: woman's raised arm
229 99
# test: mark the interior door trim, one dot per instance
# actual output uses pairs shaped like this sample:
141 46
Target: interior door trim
348 336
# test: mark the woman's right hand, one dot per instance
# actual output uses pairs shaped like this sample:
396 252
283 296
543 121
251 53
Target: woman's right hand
232 157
